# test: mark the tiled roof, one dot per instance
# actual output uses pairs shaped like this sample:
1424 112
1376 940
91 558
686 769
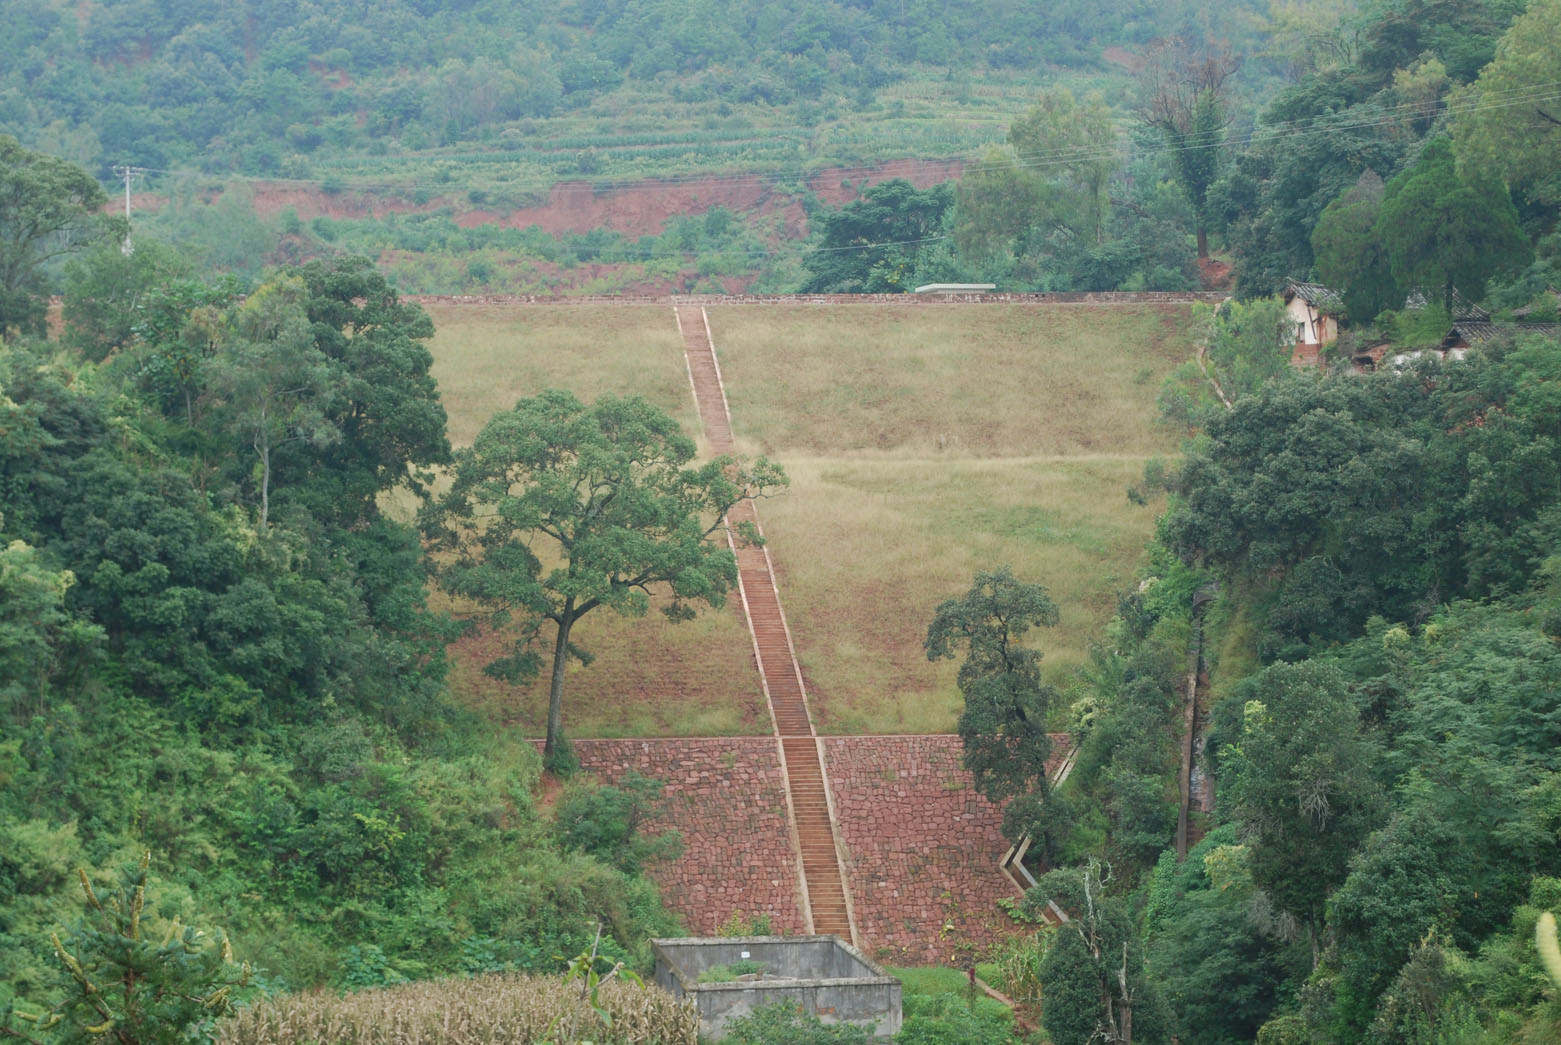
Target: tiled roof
1462 310
1477 330
1324 299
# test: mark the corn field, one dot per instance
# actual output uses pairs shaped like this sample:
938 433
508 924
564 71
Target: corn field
499 1009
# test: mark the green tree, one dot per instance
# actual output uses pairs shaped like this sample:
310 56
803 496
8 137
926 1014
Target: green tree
382 399
1205 945
1073 143
558 508
1313 36
106 293
1300 787
1183 97
1444 234
1270 198
605 820
178 331
48 208
38 636
1251 344
134 979
870 245
272 379
1093 973
1515 134
996 206
1350 255
1003 725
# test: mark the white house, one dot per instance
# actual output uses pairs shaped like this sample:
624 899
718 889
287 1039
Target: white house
1315 310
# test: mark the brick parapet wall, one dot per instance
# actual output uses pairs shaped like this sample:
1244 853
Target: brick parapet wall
1103 297
727 798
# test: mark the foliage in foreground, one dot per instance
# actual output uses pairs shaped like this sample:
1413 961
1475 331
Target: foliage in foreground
130 977
484 1010
241 676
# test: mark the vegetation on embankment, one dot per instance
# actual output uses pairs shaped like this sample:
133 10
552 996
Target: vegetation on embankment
944 438
259 700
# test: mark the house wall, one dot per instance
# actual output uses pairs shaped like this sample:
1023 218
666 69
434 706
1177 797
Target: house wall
1327 330
1312 328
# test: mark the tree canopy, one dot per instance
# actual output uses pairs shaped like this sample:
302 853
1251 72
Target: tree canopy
1515 133
558 508
870 245
48 208
1004 724
1445 235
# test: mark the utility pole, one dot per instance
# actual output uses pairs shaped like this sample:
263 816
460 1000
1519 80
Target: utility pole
127 248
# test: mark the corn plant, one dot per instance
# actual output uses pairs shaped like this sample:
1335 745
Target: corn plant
494 1009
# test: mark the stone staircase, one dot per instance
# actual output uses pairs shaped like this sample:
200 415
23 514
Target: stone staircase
828 906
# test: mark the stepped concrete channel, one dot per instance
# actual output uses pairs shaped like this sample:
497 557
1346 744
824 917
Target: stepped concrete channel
881 840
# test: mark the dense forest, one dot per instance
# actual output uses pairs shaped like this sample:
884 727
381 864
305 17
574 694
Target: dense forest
243 87
233 666
215 642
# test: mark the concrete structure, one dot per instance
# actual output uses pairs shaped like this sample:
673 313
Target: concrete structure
956 288
823 975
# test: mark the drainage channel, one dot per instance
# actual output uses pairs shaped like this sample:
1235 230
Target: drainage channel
823 884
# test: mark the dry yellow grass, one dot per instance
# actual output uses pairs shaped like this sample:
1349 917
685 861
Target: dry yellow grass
953 381
866 549
651 678
494 1009
488 356
927 443
924 443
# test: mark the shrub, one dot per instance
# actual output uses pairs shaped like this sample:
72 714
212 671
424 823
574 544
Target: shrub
740 924
604 821
728 973
786 1024
132 978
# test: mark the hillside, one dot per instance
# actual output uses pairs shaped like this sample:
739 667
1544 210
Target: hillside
276 132
1016 427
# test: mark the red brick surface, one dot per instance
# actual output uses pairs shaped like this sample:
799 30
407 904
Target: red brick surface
922 848
727 798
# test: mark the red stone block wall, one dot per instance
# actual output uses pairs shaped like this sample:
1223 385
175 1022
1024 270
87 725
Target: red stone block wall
727 798
922 848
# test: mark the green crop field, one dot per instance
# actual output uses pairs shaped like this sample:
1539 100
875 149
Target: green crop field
924 443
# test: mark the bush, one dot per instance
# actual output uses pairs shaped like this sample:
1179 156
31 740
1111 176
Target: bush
604 821
786 1024
728 973
130 978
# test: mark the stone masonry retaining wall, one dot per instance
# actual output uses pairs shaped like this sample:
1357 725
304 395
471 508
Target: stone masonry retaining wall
921 847
1091 297
727 798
